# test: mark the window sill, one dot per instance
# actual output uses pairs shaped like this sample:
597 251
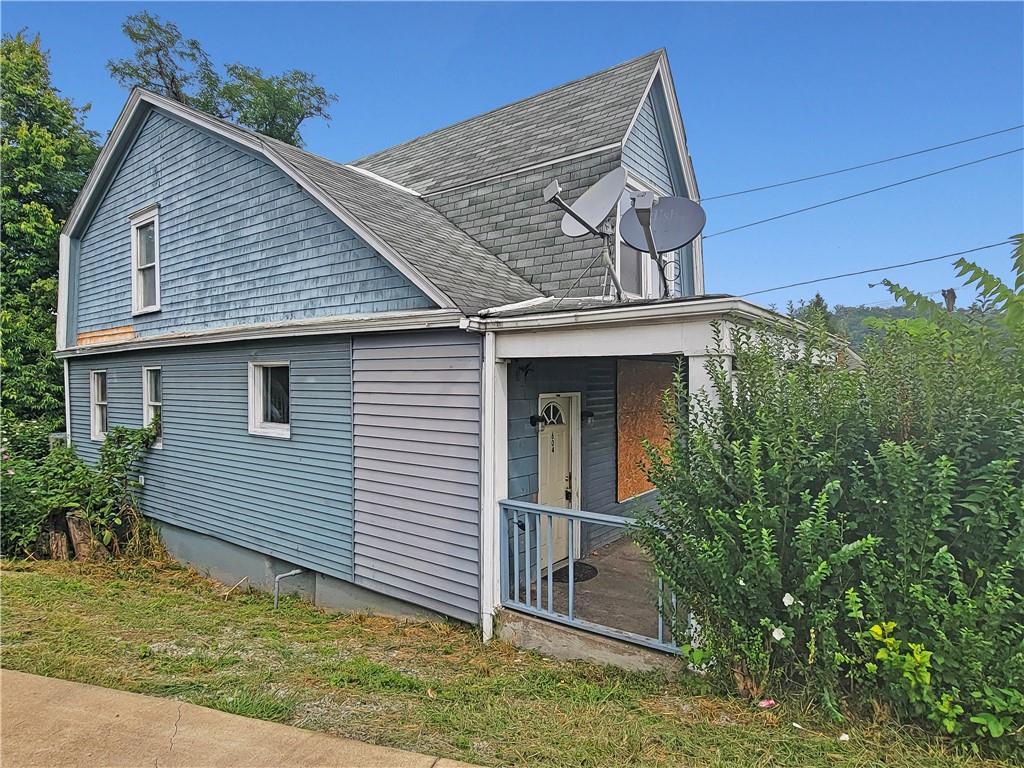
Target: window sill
145 311
282 433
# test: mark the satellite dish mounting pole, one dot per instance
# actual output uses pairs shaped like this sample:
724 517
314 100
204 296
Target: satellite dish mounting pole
552 194
644 203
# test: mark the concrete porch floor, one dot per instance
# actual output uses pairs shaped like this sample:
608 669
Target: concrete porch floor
622 596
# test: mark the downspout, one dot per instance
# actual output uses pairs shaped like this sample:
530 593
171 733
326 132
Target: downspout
277 583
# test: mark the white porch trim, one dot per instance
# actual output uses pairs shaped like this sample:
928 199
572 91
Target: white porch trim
493 479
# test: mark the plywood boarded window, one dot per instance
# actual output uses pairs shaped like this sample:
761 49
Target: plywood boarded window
639 388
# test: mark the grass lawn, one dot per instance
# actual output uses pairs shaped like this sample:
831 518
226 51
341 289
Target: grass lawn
433 688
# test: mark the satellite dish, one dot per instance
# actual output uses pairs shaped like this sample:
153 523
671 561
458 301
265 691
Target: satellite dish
675 221
594 205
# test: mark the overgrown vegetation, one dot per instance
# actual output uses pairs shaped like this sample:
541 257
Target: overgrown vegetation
433 688
46 153
858 531
50 495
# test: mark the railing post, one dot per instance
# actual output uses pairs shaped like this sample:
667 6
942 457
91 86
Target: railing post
515 555
529 569
551 522
572 564
503 535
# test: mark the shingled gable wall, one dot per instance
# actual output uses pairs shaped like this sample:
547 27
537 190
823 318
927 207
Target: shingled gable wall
508 217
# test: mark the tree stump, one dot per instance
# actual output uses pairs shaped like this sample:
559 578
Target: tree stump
87 547
58 546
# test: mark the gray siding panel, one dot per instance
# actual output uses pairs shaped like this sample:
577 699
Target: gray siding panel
239 242
416 425
291 499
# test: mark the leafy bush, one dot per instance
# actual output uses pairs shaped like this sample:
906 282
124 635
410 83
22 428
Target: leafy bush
42 485
859 530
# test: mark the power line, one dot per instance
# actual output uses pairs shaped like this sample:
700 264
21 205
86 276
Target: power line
875 269
862 165
861 194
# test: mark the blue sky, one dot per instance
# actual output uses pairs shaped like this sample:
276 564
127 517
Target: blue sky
768 91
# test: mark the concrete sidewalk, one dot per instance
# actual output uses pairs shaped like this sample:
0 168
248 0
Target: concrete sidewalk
55 723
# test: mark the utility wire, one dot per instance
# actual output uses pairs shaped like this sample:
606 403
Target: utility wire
862 165
861 194
876 269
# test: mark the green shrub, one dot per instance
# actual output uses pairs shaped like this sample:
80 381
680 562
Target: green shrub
859 531
40 485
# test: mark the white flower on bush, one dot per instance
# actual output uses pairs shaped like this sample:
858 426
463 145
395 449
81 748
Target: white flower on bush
741 582
779 634
788 599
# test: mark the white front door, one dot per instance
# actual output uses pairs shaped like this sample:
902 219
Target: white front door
557 440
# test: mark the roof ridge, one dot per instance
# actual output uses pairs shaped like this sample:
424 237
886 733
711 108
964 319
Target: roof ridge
657 52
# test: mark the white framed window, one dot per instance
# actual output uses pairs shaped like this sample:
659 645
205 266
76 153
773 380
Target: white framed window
270 398
639 275
152 400
98 404
145 260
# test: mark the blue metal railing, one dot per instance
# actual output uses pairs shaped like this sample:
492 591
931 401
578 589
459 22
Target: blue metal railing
529 561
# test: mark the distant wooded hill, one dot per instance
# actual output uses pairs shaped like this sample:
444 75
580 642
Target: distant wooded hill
849 321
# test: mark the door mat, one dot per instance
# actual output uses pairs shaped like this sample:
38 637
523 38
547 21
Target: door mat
580 572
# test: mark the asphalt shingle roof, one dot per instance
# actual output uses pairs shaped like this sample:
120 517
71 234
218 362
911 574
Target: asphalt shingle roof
585 114
591 112
453 261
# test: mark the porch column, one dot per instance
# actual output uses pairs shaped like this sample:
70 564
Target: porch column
698 378
493 479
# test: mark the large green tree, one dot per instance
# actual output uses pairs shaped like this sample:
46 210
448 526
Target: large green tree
166 62
46 153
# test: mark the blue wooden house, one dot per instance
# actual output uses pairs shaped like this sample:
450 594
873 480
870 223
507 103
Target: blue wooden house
394 376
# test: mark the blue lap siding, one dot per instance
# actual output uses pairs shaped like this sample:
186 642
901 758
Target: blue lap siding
650 153
239 242
288 498
595 379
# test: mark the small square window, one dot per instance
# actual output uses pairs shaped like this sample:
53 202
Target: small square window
98 405
152 401
270 399
145 260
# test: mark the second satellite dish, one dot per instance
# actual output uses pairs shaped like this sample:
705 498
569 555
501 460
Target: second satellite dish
675 221
594 205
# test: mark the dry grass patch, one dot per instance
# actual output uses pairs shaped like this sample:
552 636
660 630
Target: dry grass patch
431 687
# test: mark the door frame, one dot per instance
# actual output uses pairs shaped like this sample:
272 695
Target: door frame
576 458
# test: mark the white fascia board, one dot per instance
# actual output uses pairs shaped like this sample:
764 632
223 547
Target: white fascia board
379 322
251 141
378 178
63 298
732 307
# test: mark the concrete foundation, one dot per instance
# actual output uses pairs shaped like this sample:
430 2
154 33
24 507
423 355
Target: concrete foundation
229 563
563 642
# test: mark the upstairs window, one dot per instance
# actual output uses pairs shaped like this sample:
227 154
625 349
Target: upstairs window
270 399
98 405
146 260
152 400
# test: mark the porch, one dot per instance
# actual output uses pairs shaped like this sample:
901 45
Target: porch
570 395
